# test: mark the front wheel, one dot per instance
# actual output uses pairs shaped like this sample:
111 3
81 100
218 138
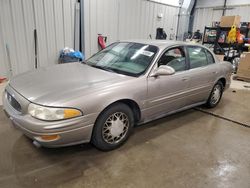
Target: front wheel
215 95
113 127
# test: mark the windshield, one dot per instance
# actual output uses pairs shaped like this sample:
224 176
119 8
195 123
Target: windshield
126 58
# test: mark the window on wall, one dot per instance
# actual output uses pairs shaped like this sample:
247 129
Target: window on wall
174 58
197 57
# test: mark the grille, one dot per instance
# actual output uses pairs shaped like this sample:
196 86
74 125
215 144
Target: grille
13 102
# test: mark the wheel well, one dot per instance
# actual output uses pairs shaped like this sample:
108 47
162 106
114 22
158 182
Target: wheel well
223 81
134 107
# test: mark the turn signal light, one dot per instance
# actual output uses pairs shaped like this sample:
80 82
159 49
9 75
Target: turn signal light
69 113
50 137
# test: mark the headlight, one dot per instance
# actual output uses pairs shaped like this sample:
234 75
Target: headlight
51 113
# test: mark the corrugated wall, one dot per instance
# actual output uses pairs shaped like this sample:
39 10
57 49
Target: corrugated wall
54 21
205 16
125 19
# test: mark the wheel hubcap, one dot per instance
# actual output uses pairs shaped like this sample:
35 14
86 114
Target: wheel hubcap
115 127
216 94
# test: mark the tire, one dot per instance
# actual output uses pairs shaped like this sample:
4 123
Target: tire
113 127
215 95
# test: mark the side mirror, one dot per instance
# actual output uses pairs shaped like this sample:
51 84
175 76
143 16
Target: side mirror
163 70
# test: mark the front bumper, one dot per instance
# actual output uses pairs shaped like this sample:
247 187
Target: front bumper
71 131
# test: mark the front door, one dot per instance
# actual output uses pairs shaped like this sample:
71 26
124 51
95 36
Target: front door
167 93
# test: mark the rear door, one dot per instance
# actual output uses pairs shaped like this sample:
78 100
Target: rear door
202 72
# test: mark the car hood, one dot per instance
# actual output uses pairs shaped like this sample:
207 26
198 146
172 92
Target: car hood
49 85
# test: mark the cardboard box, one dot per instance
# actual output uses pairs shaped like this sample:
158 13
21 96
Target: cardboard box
228 21
220 57
244 66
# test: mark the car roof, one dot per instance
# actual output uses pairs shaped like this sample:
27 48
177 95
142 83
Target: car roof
162 44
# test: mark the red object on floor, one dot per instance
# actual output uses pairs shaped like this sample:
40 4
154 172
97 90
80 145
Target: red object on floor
101 42
2 79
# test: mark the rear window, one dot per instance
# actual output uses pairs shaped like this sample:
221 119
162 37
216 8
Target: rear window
210 57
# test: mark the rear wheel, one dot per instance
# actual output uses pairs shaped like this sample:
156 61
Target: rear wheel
113 127
215 95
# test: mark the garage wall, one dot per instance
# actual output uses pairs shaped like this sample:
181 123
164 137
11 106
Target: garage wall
169 2
54 21
209 3
121 20
204 17
216 3
205 13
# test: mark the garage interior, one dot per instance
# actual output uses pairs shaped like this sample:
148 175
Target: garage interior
198 147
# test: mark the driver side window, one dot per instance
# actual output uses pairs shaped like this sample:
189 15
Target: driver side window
175 58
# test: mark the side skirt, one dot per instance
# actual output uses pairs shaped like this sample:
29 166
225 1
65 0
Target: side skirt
172 112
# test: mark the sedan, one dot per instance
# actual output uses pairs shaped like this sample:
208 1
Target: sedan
102 99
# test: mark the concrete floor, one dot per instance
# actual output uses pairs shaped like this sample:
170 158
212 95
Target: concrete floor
188 149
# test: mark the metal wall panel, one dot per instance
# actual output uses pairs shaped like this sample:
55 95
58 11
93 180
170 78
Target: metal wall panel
219 3
8 37
50 31
100 17
29 20
54 22
3 57
59 29
205 16
41 33
209 3
243 11
121 20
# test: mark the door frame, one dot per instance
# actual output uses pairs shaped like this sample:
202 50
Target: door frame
155 64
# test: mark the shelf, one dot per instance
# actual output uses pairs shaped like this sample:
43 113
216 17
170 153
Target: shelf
221 47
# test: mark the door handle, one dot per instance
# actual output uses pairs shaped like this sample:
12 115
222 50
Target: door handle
215 72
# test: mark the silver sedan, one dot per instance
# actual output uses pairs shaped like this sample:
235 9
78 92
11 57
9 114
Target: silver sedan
101 99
